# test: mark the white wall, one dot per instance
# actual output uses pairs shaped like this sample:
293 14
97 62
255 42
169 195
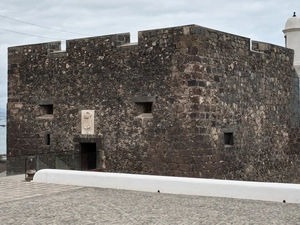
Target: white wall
277 192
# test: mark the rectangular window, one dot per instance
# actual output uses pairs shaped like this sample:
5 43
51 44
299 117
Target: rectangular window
228 138
47 109
145 107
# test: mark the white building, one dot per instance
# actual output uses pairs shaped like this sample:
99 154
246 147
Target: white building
292 39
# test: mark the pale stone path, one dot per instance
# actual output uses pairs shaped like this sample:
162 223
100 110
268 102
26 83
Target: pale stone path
34 203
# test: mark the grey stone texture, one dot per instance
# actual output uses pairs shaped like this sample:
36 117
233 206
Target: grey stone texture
200 83
36 203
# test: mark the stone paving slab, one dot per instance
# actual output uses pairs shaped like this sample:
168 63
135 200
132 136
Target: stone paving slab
36 203
15 188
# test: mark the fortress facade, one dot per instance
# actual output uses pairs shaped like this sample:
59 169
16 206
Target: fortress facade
183 101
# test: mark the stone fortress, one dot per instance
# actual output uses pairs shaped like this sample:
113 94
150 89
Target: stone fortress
183 101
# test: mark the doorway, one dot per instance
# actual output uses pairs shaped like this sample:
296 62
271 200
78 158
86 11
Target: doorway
88 156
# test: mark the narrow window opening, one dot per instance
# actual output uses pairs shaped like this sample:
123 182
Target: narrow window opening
285 40
228 138
48 139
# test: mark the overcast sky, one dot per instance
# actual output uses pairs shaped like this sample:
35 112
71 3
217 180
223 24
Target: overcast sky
261 20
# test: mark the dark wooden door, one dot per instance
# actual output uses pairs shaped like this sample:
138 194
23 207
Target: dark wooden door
88 156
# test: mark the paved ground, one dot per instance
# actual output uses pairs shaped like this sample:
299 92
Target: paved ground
33 203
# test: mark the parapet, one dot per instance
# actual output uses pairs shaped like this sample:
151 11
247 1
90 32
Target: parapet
188 39
271 49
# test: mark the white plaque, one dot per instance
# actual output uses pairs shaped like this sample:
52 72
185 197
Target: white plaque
87 121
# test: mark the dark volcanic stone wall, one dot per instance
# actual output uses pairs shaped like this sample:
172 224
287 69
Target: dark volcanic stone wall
220 110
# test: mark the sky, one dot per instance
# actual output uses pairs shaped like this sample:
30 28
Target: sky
38 21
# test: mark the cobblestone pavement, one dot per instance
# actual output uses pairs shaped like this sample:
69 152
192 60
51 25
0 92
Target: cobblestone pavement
34 203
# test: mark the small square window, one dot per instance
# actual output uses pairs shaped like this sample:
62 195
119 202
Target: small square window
228 138
145 107
47 109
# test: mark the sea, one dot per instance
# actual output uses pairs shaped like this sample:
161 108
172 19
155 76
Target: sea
2 131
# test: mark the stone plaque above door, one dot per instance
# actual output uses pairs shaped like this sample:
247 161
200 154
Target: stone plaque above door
87 121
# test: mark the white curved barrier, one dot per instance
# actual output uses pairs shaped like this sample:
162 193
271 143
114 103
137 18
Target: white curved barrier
277 192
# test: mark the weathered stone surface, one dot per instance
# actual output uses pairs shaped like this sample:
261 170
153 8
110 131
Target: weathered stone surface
204 82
